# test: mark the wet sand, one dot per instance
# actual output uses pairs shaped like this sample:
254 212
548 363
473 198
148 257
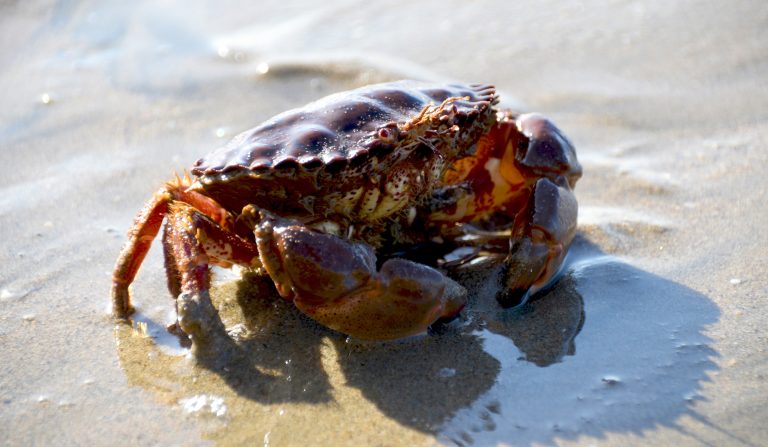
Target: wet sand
654 335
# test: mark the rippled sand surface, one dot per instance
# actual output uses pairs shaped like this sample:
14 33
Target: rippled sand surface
654 336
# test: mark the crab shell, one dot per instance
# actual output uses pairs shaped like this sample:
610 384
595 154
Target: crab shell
343 155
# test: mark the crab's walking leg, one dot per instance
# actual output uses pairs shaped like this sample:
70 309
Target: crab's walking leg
192 241
140 237
144 230
171 263
335 282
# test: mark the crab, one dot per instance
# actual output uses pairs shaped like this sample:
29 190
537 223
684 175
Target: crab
326 199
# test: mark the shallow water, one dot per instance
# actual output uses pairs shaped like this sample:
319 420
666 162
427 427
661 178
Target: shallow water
655 333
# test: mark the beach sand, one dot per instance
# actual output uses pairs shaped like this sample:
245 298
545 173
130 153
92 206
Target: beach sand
655 335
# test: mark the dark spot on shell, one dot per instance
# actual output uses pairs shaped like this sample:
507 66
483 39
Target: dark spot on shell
336 164
261 163
310 139
261 152
356 115
380 149
359 158
397 98
310 162
437 94
286 163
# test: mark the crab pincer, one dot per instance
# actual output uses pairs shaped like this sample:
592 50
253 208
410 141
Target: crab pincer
336 282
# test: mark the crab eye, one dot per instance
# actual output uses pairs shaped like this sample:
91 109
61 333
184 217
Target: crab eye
387 135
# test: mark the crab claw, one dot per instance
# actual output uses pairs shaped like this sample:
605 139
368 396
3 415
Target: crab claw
537 253
547 224
335 282
548 152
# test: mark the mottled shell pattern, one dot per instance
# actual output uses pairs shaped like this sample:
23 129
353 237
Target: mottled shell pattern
361 155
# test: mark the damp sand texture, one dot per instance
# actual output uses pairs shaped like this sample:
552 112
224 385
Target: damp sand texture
655 334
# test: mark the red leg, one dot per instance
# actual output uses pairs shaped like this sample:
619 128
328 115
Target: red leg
140 237
171 263
144 230
189 273
192 242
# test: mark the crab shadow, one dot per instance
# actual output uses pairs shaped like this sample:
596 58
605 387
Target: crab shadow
272 352
608 348
420 381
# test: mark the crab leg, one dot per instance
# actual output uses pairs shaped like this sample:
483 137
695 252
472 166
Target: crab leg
192 241
171 262
335 282
140 237
145 227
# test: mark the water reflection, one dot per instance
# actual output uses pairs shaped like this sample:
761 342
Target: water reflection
423 382
544 329
638 362
536 373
